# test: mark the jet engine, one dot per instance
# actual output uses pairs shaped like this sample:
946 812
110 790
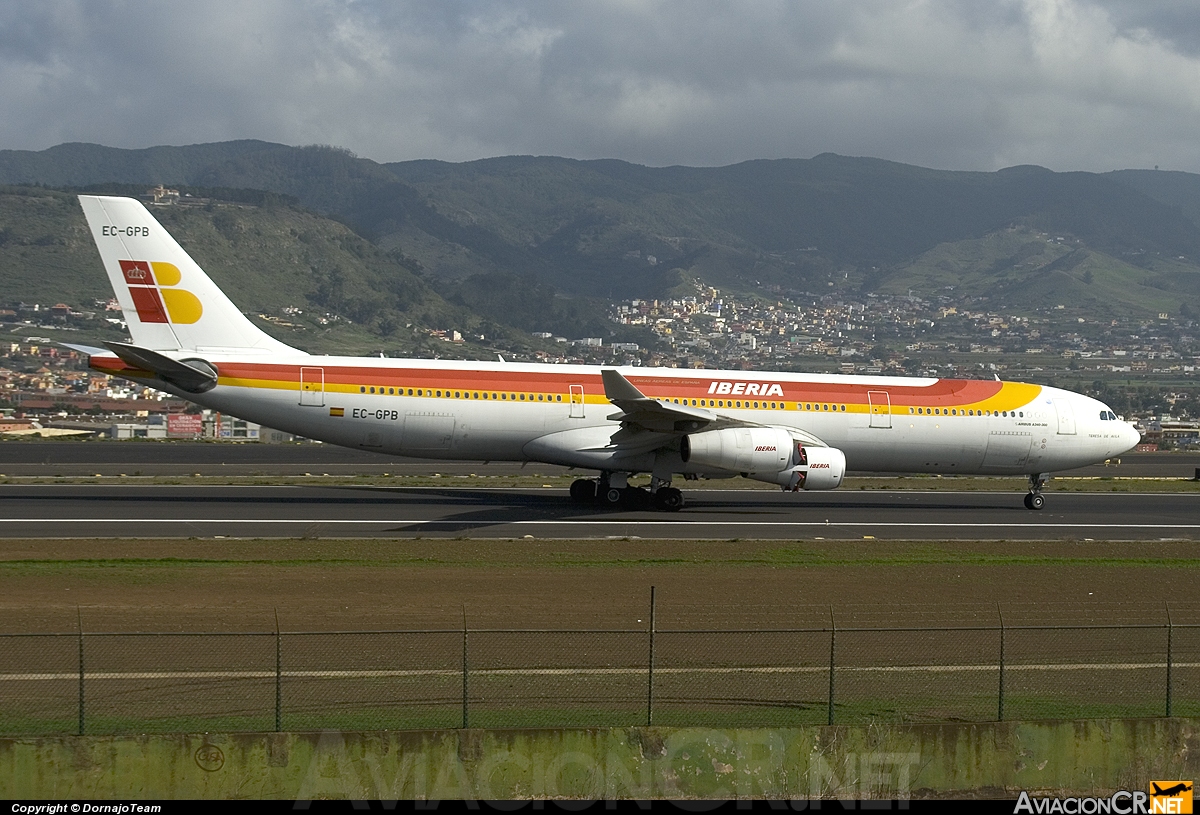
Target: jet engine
767 454
739 449
812 468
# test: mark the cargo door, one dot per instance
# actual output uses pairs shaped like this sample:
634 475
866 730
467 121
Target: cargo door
427 433
1007 449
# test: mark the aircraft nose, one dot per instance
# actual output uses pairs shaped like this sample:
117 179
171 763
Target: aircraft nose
1130 437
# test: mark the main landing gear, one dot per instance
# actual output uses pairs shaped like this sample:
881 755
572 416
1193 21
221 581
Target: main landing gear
1035 499
613 490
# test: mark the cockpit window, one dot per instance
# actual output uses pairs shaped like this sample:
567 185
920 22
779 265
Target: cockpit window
1104 415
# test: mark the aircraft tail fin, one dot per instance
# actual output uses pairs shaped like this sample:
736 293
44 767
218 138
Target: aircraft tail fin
169 303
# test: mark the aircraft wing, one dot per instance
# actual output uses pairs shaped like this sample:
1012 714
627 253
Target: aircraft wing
641 415
641 411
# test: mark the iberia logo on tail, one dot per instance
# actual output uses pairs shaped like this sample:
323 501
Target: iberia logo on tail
150 285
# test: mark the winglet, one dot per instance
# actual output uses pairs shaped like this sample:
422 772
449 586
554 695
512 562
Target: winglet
619 389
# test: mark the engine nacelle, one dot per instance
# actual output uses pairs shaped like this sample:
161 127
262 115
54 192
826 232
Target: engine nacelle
740 449
813 468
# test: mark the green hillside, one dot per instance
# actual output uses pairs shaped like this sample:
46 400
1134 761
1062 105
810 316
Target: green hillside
300 273
266 259
1026 270
544 226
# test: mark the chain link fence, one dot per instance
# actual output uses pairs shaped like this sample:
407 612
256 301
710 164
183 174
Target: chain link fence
836 672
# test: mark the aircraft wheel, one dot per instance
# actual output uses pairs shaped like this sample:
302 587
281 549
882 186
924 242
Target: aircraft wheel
583 490
613 496
1037 500
669 499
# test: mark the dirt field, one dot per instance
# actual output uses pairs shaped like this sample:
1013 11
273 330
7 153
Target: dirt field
237 585
413 680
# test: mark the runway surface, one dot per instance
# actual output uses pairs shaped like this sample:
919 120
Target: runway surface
155 511
86 458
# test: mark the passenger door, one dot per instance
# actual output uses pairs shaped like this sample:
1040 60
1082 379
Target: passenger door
881 408
312 387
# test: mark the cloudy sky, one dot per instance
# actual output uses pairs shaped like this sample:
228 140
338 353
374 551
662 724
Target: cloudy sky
957 84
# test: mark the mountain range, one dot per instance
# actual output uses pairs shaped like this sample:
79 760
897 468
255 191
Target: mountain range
527 241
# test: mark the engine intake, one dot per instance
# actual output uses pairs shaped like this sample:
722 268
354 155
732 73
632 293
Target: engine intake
814 468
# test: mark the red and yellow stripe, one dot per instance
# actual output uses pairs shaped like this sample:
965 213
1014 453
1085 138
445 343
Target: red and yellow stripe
550 386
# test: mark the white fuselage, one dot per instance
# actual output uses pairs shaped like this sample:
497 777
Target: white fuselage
557 414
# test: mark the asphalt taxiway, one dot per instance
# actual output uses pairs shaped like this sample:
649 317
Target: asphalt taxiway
46 458
162 511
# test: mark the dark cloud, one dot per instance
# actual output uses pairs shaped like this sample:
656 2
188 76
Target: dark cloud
977 84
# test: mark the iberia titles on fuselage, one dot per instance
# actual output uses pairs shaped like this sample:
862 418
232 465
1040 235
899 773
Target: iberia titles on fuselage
800 431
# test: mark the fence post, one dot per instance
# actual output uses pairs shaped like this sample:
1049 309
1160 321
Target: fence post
832 646
650 668
1170 661
79 614
278 676
1000 695
465 710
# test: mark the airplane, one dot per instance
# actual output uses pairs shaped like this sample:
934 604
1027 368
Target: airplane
795 430
1170 792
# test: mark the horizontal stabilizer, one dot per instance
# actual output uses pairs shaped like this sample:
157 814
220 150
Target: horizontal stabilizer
192 375
89 350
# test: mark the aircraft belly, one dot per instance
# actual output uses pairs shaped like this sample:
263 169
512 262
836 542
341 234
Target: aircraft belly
913 446
589 447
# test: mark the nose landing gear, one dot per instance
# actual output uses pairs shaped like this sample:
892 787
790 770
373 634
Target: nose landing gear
1034 499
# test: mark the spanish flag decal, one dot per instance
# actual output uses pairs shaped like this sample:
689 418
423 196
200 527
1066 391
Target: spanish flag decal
337 411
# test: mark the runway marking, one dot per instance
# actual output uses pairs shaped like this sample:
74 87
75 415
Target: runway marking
503 672
593 522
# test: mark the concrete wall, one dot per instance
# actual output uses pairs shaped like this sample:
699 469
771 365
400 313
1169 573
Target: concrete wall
1082 757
